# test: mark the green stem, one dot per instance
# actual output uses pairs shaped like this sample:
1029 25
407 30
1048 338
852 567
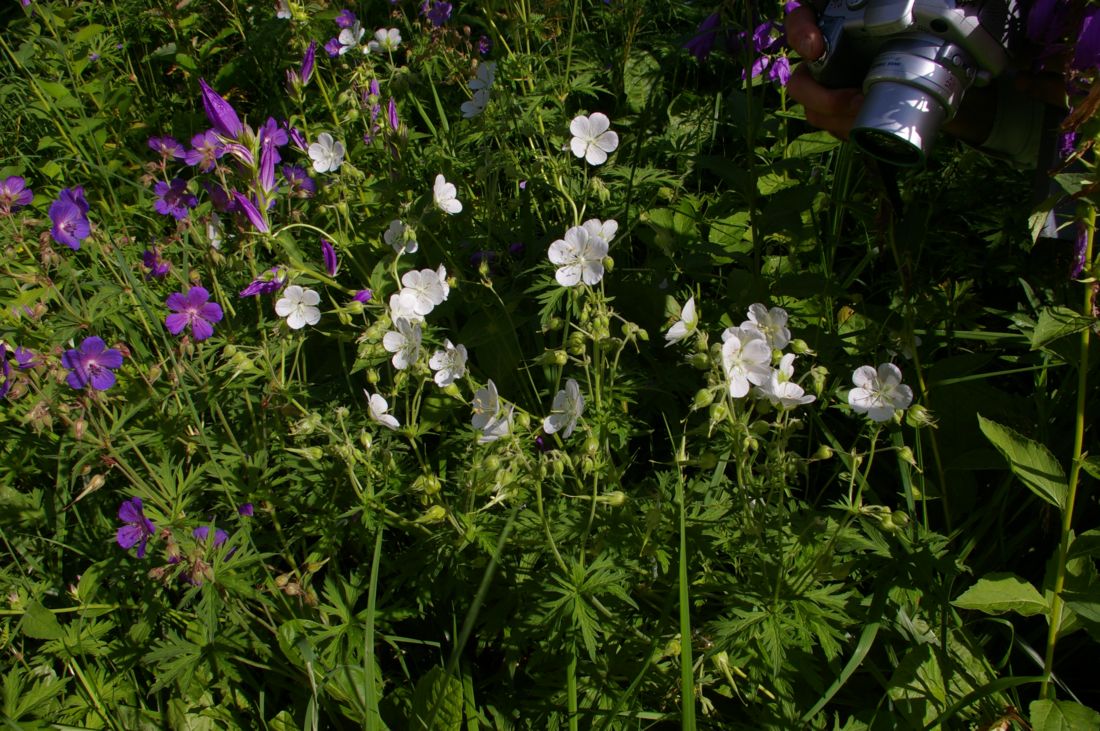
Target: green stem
571 689
1046 691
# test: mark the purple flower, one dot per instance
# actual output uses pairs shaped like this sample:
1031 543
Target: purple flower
1087 53
391 112
245 510
251 212
192 309
167 147
332 47
25 358
14 194
346 19
328 254
240 152
69 214
207 148
301 185
220 113
305 73
174 199
484 45
1067 143
202 533
158 267
5 372
269 282
138 529
701 44
436 12
298 140
273 135
363 296
92 364
1080 248
220 197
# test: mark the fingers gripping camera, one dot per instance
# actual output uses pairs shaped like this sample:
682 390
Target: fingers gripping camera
915 59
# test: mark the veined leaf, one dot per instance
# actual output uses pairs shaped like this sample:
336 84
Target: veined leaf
1030 461
41 624
1062 716
1055 323
999 593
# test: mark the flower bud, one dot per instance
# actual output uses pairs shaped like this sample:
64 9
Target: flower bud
643 335
79 427
575 343
700 361
615 498
434 514
491 463
900 519
559 468
906 455
355 307
760 427
229 350
718 412
365 439
523 421
592 445
919 417
704 397
823 452
800 347
554 323
372 376
750 444
608 264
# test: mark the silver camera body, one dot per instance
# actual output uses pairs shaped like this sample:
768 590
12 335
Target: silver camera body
914 59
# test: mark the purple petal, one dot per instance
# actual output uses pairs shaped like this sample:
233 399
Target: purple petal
328 254
220 112
131 510
211 312
128 536
102 379
177 322
201 329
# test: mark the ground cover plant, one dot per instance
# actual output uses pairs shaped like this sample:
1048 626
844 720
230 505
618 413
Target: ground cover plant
526 364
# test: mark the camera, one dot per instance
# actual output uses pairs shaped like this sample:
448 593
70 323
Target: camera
915 59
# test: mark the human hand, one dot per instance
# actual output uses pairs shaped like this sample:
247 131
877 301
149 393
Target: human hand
833 110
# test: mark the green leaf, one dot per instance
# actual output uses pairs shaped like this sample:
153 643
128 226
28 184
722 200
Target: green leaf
1030 461
1062 716
1091 465
1055 323
88 32
437 702
814 143
1086 544
1002 592
40 623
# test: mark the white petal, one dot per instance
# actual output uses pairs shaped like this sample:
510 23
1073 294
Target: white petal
578 146
608 141
284 307
568 276
595 156
598 123
580 127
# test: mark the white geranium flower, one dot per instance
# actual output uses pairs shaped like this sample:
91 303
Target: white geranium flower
772 324
441 272
327 154
879 393
567 408
404 343
592 138
385 39
685 326
378 409
424 288
744 334
449 364
282 9
401 237
490 417
402 307
781 390
579 256
745 362
486 75
299 307
350 38
476 105
445 196
602 229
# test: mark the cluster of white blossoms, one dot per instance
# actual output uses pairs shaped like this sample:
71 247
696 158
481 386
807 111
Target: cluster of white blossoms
580 254
401 237
480 85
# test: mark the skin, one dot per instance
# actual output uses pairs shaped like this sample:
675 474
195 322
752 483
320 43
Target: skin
834 110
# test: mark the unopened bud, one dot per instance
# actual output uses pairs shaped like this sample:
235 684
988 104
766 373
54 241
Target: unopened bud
79 427
900 518
614 498
608 264
523 421
800 347
372 376
919 417
434 514
823 452
906 455
700 361
704 397
491 463
554 323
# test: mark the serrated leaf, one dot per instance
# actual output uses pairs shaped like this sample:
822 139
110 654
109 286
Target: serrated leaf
1055 323
40 623
1033 463
1062 716
1000 593
437 702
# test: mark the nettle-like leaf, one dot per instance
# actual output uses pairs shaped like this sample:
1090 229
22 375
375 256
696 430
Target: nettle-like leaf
1002 592
1032 462
1062 716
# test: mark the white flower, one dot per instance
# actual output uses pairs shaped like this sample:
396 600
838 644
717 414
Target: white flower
441 272
490 417
772 324
404 343
745 362
402 308
378 407
425 289
299 307
579 256
486 75
685 326
603 229
214 232
592 138
567 408
282 9
879 393
475 105
444 194
401 237
385 39
326 153
449 363
349 38
781 390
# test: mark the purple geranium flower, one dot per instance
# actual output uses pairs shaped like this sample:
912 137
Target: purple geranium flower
436 12
167 147
25 358
484 45
91 364
269 282
14 194
220 113
138 529
328 255
174 199
192 309
332 47
701 44
202 533
69 214
245 510
206 149
158 266
301 185
363 296
1086 55
220 197
346 19
5 372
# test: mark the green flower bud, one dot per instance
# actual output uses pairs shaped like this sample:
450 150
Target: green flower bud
704 397
229 350
491 463
800 347
434 514
700 361
615 498
553 324
919 417
523 421
900 518
592 445
760 427
355 307
372 376
608 264
906 455
823 452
